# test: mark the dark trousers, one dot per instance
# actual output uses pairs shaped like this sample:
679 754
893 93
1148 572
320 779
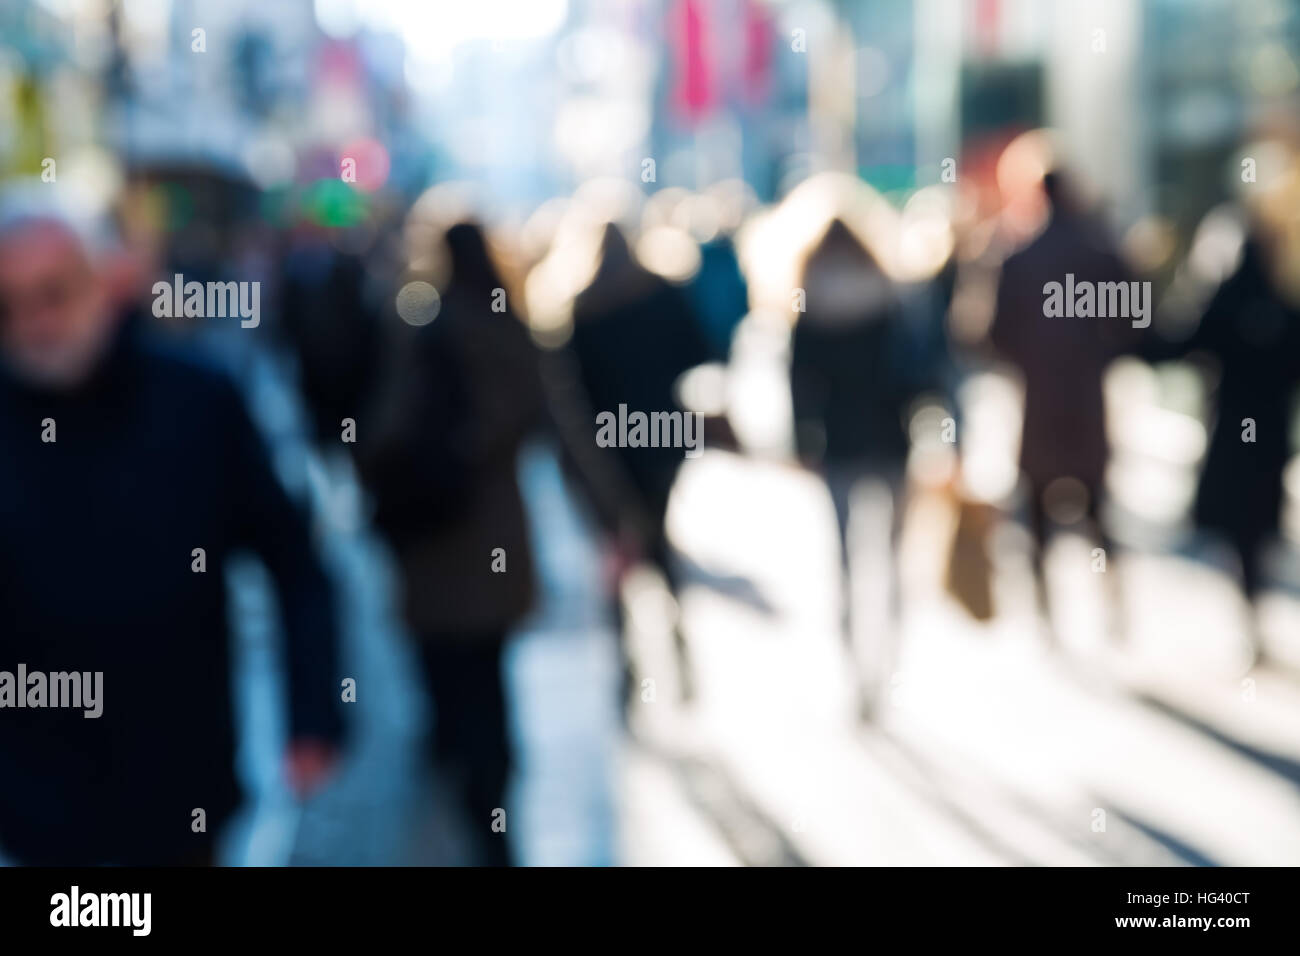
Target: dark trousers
471 741
1040 527
1040 523
1249 547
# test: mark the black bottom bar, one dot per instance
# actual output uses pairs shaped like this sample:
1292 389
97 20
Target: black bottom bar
331 905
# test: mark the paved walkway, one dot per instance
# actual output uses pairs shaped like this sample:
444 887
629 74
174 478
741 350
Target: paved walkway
991 750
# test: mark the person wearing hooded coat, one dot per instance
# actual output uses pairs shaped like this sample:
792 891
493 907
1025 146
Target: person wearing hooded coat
464 393
634 334
852 381
1250 328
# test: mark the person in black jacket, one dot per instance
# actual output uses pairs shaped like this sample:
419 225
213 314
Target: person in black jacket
1250 329
853 378
333 329
634 334
463 396
130 475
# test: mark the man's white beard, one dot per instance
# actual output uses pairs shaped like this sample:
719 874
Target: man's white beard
64 367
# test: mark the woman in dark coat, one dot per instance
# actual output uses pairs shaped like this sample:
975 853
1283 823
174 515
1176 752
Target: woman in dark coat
853 376
464 396
1252 331
634 335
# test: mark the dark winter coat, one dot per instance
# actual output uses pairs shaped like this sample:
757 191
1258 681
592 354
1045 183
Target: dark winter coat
1061 359
470 396
1254 336
634 334
154 457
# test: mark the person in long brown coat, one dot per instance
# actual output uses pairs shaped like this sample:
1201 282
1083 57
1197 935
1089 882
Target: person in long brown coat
1063 448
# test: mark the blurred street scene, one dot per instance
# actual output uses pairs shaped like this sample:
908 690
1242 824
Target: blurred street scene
651 432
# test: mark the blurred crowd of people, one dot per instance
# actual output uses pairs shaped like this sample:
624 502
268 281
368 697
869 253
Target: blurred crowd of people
431 345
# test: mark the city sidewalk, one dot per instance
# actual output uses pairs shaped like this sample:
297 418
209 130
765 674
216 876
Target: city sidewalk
991 749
